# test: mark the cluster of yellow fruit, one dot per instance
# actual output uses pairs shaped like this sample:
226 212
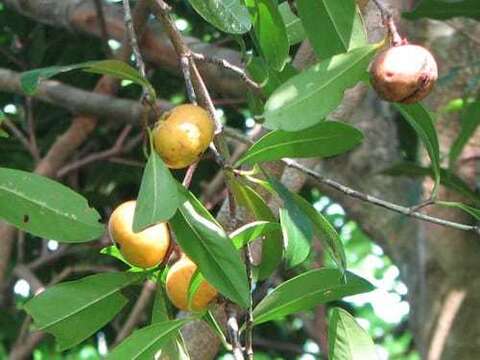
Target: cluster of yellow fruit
179 138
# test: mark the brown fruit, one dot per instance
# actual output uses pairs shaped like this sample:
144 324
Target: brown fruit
404 74
143 249
178 282
183 136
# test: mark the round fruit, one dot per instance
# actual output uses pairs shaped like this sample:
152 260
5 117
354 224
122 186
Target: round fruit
143 249
183 136
404 74
178 282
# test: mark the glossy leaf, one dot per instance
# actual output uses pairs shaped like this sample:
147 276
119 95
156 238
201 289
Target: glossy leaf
29 80
75 310
325 232
293 24
423 124
158 198
229 16
297 228
326 139
470 120
308 97
333 27
272 245
207 244
304 291
252 231
443 9
270 32
195 282
145 343
347 340
114 252
46 208
447 179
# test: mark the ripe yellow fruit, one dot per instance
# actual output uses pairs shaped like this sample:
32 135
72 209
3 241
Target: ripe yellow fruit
143 249
183 136
178 282
404 73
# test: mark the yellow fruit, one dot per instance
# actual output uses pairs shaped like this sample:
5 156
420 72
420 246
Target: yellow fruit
183 136
143 249
178 282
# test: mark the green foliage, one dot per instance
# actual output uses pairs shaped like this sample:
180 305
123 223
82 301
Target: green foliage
272 246
347 340
421 120
30 80
308 97
158 198
230 16
328 138
307 290
293 24
270 32
72 311
333 27
252 231
209 247
470 120
445 9
143 344
46 208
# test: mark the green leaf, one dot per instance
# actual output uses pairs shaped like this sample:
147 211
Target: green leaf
333 27
229 16
145 343
442 10
325 232
252 231
29 80
447 179
423 124
272 245
174 348
475 213
293 24
270 32
308 97
266 76
158 198
195 282
297 229
304 291
207 244
325 139
75 310
470 120
347 340
114 252
46 208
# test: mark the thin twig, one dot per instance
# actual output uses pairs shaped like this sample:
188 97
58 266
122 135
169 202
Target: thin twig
103 27
116 149
133 38
249 321
225 64
187 180
359 195
387 18
232 328
20 136
187 75
31 128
